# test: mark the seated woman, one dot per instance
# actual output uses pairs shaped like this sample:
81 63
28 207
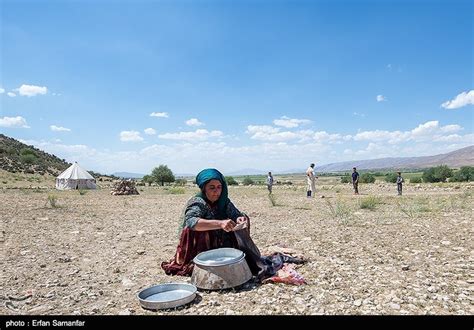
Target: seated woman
207 223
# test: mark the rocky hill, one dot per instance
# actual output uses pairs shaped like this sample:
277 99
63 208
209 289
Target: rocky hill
19 157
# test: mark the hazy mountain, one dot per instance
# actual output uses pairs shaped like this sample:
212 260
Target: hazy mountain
128 175
454 159
246 171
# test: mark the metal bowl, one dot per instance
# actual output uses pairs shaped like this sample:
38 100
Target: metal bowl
219 257
220 269
170 295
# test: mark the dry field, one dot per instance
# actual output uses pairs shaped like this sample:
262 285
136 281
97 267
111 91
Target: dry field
376 253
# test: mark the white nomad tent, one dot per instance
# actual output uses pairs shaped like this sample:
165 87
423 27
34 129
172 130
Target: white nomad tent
75 177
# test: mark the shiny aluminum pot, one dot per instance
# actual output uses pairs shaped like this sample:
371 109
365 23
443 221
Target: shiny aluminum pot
220 269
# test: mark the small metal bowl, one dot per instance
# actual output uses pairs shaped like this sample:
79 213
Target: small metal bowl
169 295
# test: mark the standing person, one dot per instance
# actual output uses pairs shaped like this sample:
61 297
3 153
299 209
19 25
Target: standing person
270 182
311 190
355 180
399 183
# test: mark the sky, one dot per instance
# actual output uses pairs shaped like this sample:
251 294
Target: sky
269 85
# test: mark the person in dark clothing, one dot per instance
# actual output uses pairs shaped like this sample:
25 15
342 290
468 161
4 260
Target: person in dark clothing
355 180
208 223
399 183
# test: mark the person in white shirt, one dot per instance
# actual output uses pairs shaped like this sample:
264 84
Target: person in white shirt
311 180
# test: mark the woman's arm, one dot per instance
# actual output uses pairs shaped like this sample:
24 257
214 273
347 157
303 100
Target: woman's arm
204 224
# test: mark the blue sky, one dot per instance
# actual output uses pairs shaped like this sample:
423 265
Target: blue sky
271 85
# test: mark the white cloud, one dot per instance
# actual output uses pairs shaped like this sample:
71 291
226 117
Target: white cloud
130 136
198 135
55 128
289 122
381 98
194 122
159 114
358 114
31 90
269 133
461 100
149 131
451 128
11 94
425 129
2 90
13 122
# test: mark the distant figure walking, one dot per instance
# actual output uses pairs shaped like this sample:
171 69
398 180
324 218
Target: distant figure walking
310 178
355 180
269 182
399 183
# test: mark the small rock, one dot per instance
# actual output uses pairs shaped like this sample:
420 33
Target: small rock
394 306
357 302
405 267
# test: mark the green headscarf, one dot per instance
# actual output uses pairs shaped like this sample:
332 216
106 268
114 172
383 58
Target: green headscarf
204 177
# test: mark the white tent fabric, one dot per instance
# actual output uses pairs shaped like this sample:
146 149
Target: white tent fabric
75 177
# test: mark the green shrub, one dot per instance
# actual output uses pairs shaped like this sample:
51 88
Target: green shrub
82 192
369 202
391 177
28 158
465 174
437 174
346 179
177 190
52 199
367 178
27 151
416 179
180 182
231 181
248 181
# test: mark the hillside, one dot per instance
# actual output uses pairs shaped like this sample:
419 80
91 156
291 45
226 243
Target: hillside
454 159
19 157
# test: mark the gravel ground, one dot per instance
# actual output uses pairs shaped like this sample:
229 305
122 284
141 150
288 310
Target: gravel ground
94 252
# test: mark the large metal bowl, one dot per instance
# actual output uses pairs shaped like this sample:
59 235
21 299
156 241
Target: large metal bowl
220 269
170 295
219 257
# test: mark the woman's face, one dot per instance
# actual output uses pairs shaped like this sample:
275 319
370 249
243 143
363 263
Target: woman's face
213 190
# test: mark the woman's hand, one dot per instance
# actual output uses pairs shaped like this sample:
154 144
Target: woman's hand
227 225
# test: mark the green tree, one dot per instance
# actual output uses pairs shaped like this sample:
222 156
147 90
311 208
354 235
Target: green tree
248 181
391 177
28 151
162 174
437 174
367 178
415 179
465 174
147 179
345 179
28 159
231 181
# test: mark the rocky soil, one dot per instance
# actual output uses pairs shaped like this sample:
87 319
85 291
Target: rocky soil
92 253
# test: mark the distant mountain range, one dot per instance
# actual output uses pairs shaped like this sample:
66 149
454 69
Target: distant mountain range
454 159
128 175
